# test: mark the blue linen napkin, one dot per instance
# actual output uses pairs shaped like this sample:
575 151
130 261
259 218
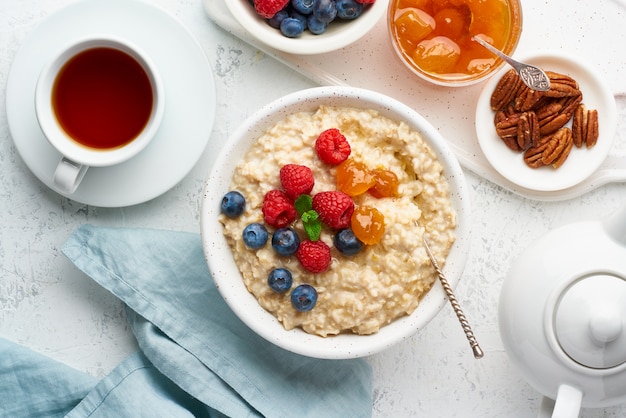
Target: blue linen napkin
32 385
197 358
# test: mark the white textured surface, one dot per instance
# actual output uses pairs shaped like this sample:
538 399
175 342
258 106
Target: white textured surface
46 305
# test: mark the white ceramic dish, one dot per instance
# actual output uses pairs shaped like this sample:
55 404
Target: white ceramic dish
226 274
582 162
187 120
338 35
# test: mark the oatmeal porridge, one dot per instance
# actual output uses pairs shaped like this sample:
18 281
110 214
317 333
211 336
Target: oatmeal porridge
358 293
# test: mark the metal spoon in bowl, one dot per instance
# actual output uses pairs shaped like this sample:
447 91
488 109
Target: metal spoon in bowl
533 77
478 352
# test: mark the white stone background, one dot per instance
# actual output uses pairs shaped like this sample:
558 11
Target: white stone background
47 305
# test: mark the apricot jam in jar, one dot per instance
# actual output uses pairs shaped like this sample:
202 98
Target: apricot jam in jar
434 37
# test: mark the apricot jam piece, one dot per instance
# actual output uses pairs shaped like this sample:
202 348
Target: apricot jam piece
354 178
437 55
490 18
368 224
386 183
413 25
452 22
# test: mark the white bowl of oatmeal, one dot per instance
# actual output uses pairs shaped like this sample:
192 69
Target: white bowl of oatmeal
367 302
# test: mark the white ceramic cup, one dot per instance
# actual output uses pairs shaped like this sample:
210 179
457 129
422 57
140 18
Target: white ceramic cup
76 157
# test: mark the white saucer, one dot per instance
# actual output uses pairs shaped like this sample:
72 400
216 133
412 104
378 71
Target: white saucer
189 108
582 162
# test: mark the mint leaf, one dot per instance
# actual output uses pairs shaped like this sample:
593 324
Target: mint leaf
309 216
303 204
312 224
313 230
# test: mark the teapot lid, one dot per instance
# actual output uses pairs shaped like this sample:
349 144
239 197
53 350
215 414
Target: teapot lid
590 321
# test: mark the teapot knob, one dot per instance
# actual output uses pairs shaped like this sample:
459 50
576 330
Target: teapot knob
589 320
606 326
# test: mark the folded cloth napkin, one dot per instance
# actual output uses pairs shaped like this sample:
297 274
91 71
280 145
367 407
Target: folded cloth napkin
197 358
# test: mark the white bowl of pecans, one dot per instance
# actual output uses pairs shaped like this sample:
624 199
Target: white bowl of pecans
547 141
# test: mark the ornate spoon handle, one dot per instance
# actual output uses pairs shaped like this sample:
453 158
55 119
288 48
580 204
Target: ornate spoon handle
478 352
532 76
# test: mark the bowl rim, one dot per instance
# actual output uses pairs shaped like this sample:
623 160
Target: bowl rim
219 256
307 44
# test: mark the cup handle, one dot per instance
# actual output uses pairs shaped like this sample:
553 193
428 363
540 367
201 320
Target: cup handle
567 404
68 175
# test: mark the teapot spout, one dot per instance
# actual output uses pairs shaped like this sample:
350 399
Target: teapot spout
615 226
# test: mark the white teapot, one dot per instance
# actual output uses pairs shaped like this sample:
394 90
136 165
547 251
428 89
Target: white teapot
562 315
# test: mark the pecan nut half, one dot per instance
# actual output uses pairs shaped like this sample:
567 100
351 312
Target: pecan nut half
507 128
527 99
555 114
558 148
505 90
562 78
550 150
533 157
561 85
585 127
527 130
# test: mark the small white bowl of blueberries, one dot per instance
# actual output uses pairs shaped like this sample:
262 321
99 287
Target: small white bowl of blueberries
306 27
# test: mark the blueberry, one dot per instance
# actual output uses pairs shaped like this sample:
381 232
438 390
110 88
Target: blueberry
304 297
346 243
254 235
291 27
276 20
348 9
233 204
280 280
303 6
302 18
325 10
285 241
315 26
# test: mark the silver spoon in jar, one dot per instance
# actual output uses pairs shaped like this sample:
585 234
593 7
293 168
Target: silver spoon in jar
532 76
478 352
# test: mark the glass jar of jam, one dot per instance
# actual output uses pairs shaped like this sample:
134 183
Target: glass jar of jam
434 37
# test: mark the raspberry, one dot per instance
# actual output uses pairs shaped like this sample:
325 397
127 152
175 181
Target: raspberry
278 210
332 147
314 256
334 208
296 180
268 8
